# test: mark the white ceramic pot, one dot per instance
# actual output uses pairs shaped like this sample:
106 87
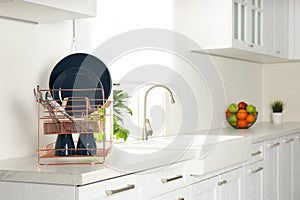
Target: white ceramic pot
277 118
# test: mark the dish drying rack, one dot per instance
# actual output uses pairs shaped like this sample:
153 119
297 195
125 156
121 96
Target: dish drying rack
73 118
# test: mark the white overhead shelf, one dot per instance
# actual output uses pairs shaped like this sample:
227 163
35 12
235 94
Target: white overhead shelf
42 11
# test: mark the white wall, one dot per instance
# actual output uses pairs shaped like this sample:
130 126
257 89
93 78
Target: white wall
281 81
242 82
28 53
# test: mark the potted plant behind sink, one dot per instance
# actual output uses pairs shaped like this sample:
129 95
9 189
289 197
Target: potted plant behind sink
120 99
277 115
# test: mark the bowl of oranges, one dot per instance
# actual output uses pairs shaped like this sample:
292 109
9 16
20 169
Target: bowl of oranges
241 115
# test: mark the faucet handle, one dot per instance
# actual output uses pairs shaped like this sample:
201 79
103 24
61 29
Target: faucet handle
148 129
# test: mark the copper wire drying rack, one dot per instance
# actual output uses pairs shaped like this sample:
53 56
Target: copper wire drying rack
82 117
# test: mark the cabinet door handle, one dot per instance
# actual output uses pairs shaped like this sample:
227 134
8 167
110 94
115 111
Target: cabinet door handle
180 198
256 153
222 182
288 140
256 170
111 192
165 180
297 137
273 145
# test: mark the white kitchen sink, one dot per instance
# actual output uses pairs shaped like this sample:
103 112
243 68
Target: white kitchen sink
203 153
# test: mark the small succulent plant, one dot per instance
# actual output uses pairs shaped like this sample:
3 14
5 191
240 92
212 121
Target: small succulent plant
277 106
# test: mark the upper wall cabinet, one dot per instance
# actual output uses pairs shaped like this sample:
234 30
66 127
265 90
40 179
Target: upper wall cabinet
243 29
276 28
296 24
37 11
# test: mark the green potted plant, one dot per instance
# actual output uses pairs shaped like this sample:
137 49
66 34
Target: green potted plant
277 107
120 99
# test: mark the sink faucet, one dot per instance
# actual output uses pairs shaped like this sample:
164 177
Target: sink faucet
147 130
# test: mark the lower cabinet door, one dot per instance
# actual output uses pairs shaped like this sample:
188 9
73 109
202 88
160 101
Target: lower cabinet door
296 167
206 189
180 194
253 181
230 185
32 191
285 168
271 170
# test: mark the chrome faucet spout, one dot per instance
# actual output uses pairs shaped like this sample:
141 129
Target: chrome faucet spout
146 130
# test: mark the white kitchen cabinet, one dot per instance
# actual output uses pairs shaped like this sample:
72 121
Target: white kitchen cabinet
257 153
253 174
152 183
206 189
32 191
180 194
285 167
281 28
226 24
126 187
36 11
271 170
268 33
276 28
230 185
254 30
296 25
253 181
295 167
165 179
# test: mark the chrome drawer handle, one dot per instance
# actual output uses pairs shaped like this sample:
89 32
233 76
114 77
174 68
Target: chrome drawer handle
165 180
222 182
273 145
256 170
256 153
288 140
111 192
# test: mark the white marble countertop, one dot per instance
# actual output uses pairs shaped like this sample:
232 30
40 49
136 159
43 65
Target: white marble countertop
27 169
265 130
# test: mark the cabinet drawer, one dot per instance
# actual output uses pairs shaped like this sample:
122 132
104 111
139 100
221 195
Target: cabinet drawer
166 179
118 188
257 152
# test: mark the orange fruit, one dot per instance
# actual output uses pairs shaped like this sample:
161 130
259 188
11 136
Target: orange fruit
242 123
250 118
228 113
242 114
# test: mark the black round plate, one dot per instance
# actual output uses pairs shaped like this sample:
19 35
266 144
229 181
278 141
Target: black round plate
80 79
79 71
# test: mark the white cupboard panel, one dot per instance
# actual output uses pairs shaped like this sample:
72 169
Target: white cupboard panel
253 181
31 191
231 185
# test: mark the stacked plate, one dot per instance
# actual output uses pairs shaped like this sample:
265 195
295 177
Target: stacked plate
80 83
78 76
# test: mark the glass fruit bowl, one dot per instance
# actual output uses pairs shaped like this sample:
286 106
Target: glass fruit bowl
239 121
